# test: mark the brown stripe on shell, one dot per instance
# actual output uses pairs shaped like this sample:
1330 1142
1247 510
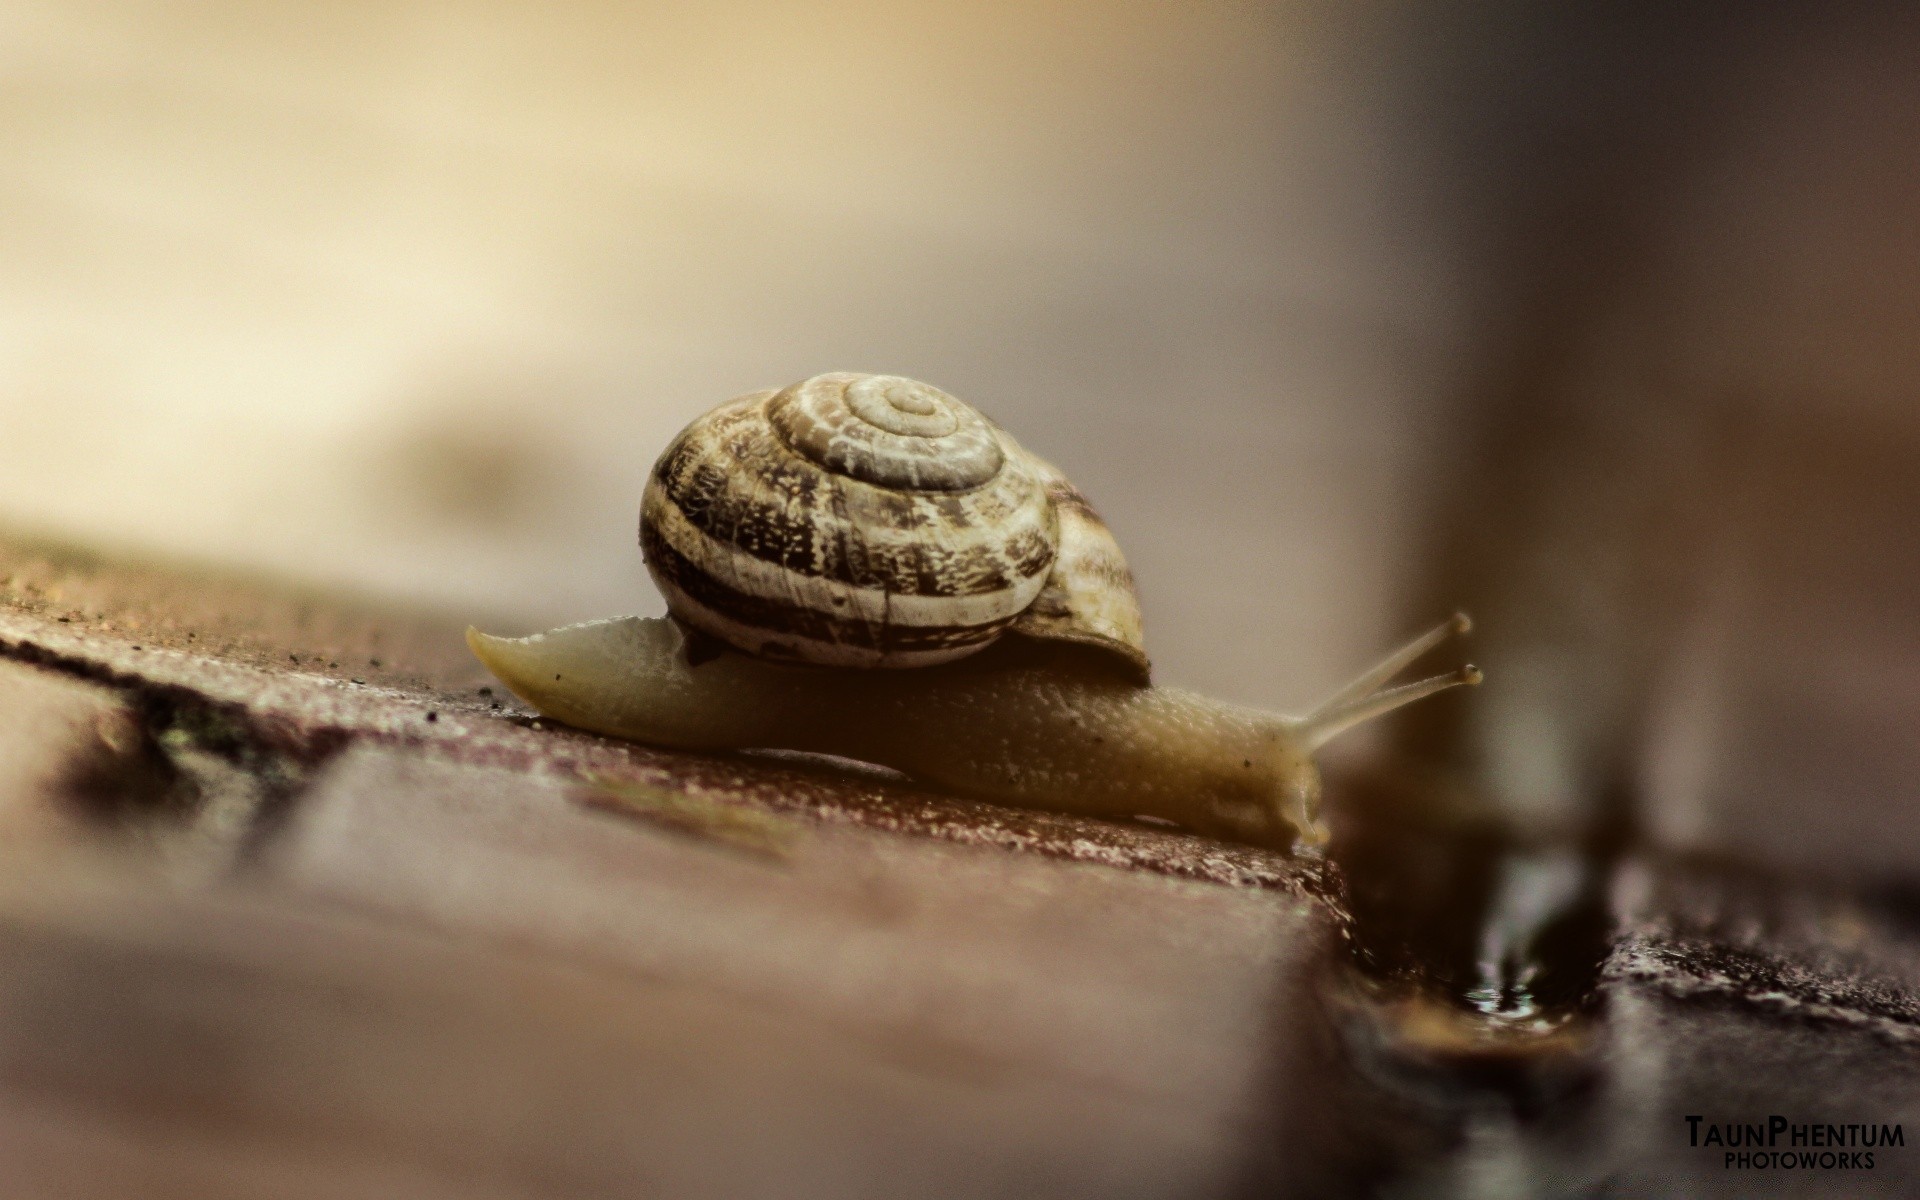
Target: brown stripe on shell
729 482
770 581
779 620
1065 495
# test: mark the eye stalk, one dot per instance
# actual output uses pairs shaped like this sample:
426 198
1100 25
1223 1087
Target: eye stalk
1296 776
1367 696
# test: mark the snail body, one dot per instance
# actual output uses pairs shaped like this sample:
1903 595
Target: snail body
862 566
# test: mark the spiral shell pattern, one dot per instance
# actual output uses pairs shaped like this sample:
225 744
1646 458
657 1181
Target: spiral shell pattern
888 431
849 520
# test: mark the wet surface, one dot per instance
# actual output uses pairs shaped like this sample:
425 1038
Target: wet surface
1436 1009
1552 1017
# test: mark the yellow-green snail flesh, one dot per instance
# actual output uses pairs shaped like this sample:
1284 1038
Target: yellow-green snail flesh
864 566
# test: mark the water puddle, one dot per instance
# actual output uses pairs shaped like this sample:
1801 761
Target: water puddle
1468 1000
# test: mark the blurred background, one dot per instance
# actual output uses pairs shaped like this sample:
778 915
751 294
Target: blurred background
409 295
1598 320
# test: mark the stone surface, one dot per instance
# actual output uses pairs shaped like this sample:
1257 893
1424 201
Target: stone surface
366 930
228 1044
1151 988
1729 995
284 667
450 949
1736 996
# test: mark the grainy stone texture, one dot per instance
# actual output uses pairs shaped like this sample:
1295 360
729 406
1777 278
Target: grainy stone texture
1732 996
1815 955
324 926
445 949
1736 996
369 674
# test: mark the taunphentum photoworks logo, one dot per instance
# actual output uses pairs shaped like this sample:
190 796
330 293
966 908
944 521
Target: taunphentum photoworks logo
1777 1144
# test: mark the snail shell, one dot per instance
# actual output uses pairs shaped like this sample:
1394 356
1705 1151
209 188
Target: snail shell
876 521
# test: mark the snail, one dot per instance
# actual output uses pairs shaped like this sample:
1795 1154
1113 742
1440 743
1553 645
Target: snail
866 567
